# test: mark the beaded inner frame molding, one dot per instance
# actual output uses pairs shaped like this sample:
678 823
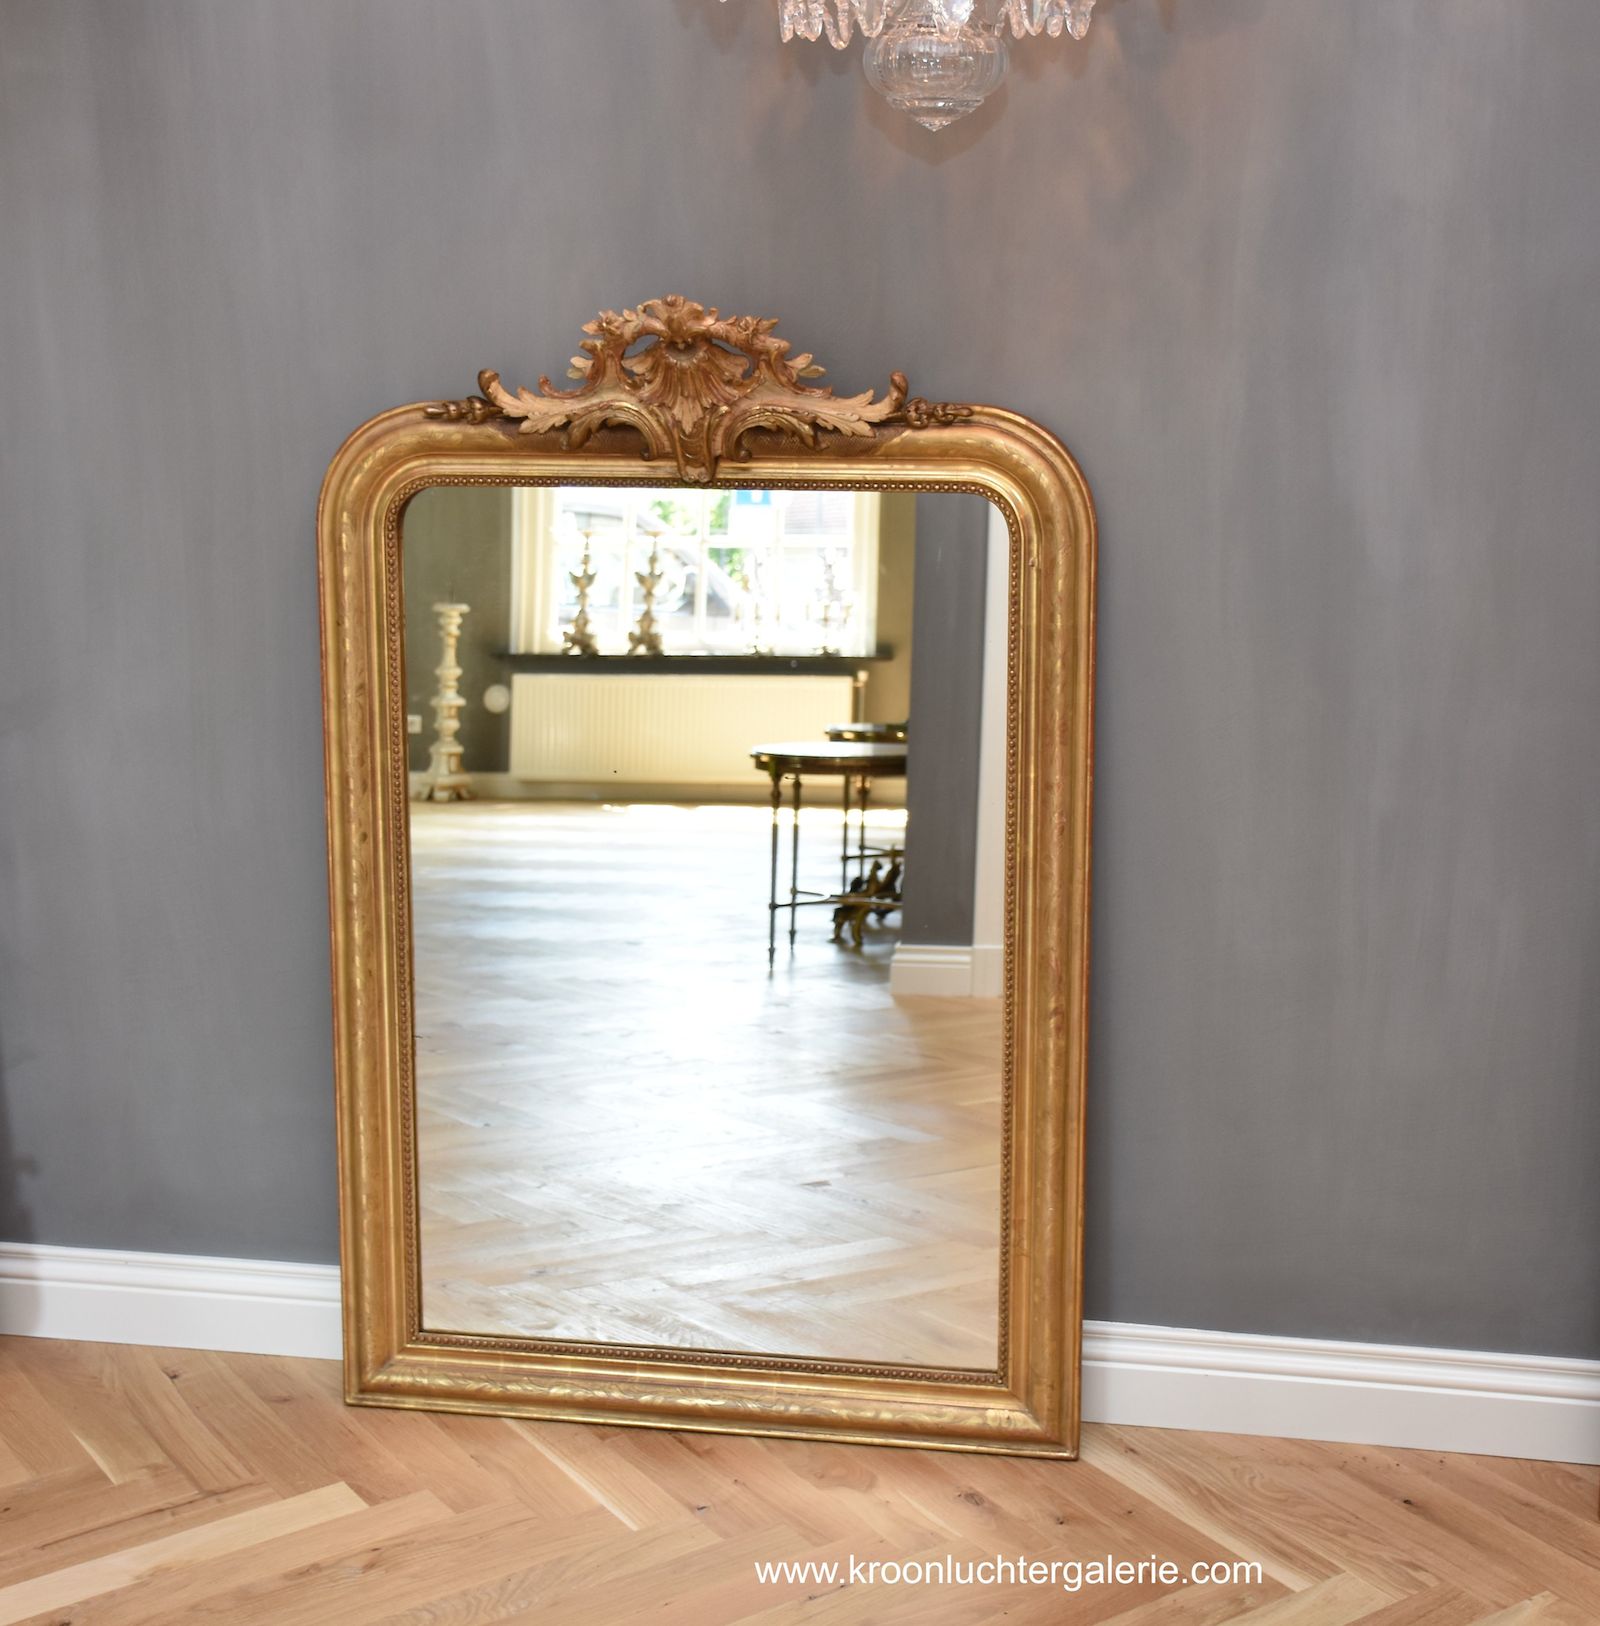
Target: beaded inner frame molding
672 392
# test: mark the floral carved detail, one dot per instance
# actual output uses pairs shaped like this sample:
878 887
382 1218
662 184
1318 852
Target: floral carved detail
694 384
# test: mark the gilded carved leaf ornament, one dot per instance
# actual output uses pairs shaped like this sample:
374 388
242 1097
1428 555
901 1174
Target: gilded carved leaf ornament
693 383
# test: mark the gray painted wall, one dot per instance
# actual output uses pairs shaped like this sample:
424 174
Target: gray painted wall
946 718
1311 290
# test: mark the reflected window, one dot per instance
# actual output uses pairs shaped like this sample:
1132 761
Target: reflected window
738 572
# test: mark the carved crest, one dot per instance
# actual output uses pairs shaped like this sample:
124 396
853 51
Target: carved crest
694 384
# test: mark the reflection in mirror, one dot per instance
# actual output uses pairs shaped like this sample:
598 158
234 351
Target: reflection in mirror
706 882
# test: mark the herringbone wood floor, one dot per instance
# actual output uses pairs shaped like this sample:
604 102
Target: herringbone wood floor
142 1486
632 1131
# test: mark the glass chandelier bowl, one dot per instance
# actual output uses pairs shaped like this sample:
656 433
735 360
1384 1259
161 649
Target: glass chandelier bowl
934 59
937 73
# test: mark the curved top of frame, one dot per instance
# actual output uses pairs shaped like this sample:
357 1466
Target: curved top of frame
719 400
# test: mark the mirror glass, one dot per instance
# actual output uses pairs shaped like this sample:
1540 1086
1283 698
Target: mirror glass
707 877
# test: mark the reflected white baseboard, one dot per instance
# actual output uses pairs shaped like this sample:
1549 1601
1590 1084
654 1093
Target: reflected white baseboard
973 970
988 970
1156 1377
750 791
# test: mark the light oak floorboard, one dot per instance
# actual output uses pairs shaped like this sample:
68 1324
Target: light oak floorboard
244 1491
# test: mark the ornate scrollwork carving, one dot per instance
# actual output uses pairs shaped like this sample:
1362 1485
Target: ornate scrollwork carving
920 412
693 383
472 410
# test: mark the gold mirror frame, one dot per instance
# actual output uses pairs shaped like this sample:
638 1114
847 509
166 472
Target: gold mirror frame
722 400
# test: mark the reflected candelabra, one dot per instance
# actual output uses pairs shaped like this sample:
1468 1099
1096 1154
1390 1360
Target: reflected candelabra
645 639
754 605
579 639
446 780
833 611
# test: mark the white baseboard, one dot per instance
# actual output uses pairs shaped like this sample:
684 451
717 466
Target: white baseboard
950 971
1361 1394
1154 1377
249 1306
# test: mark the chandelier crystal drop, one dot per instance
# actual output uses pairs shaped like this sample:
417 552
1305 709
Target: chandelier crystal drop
935 74
934 59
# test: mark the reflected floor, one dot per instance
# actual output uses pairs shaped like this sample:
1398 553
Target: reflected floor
630 1133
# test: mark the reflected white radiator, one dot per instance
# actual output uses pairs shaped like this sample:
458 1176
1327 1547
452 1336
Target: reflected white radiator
668 728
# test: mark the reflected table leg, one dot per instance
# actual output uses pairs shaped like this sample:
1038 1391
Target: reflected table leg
772 887
794 867
864 795
844 835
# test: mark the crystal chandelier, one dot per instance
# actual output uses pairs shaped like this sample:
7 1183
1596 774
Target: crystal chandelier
934 59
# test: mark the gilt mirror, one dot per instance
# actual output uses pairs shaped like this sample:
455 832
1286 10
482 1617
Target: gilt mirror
709 762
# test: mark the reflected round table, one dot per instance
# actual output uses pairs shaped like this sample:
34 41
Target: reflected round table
870 733
857 764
